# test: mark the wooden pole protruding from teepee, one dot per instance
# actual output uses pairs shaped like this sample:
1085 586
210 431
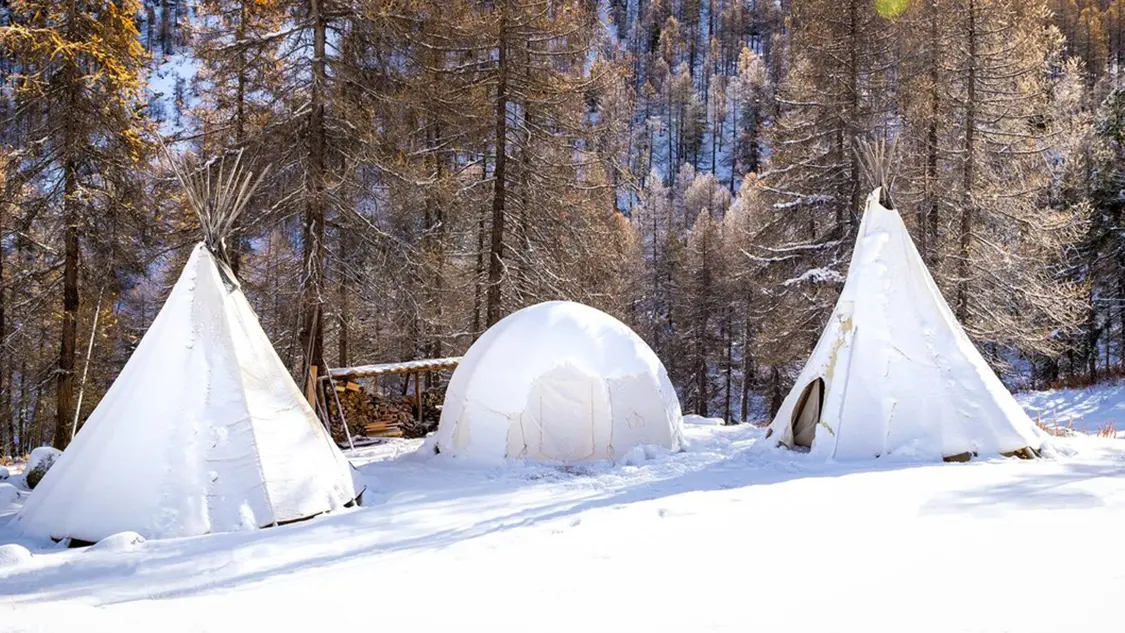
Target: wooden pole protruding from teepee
218 199
875 160
310 387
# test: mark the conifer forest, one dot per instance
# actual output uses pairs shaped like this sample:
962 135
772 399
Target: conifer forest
430 166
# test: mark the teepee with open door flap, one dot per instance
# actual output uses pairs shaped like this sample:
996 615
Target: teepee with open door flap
204 430
893 372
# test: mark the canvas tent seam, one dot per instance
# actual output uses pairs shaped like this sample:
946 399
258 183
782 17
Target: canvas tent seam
249 418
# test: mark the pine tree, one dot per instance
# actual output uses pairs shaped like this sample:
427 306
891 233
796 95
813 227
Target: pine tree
838 89
78 77
998 90
238 81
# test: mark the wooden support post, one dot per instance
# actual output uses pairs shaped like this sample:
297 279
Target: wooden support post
418 397
310 387
340 410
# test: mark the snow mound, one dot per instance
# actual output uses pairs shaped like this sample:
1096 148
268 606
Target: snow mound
41 460
558 381
120 542
638 455
40 456
4 474
12 555
698 420
8 495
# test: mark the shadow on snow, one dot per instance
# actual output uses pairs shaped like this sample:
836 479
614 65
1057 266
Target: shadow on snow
432 505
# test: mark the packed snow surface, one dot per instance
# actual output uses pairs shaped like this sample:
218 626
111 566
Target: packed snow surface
8 494
728 535
120 542
13 555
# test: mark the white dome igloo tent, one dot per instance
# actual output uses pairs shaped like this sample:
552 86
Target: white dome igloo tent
558 381
894 372
203 431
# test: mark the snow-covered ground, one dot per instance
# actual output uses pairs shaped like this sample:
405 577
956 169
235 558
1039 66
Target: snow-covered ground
1091 410
726 536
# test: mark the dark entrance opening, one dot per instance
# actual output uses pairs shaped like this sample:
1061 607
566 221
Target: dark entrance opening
806 415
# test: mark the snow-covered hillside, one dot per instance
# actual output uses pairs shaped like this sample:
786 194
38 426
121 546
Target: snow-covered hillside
1093 410
728 536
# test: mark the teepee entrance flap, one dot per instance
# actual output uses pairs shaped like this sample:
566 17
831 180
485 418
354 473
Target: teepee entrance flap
806 416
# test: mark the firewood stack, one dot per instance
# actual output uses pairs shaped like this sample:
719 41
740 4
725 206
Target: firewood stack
431 413
383 415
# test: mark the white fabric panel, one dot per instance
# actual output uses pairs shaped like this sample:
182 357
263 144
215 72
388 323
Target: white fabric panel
637 416
203 431
901 375
567 404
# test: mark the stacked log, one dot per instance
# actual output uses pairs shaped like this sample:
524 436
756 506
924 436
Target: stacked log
387 417
431 413
383 415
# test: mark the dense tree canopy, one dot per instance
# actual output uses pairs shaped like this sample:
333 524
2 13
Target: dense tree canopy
686 165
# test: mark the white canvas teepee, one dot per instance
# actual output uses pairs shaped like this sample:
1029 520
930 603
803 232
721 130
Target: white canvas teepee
203 431
558 381
894 373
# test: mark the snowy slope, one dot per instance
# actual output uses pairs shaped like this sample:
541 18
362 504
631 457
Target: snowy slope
727 536
172 95
1088 410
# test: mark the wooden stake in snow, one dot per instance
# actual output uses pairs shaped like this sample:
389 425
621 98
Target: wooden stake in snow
875 161
86 366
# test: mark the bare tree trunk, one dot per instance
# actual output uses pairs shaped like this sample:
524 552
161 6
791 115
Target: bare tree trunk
5 372
735 119
852 123
702 312
343 295
747 363
150 26
478 276
24 415
672 165
166 17
478 303
439 273
775 391
967 210
928 228
1092 337
656 333
1121 312
68 343
236 247
716 130
499 191
312 330
729 364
